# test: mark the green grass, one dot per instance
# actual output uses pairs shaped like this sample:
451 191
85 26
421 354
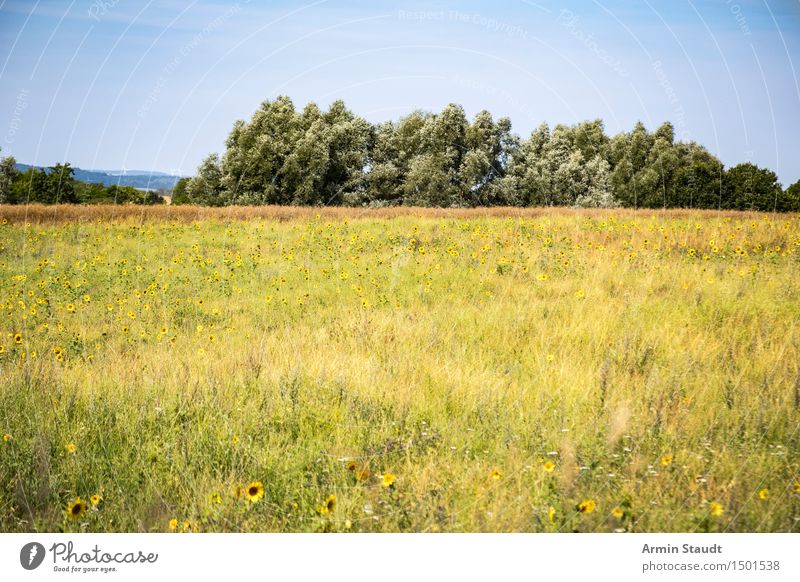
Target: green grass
458 355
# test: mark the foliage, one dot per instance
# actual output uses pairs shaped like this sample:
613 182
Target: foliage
282 156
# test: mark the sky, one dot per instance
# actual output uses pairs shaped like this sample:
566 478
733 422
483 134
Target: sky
156 86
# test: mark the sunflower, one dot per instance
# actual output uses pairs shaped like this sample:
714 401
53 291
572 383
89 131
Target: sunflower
351 466
329 505
173 524
796 486
586 506
254 491
617 512
666 460
388 480
71 448
6 437
763 494
77 508
716 509
548 466
551 514
496 474
17 338
70 307
96 499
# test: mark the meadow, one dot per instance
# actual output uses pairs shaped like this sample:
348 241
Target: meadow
201 370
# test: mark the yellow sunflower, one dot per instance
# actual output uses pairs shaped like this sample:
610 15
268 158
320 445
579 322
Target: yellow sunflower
388 480
329 505
76 509
254 491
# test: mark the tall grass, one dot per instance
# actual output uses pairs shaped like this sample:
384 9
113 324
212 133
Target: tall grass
440 371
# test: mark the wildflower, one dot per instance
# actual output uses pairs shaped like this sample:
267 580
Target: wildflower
548 466
173 524
551 514
254 491
95 499
71 448
666 460
496 474
388 480
716 509
76 509
330 503
586 506
617 512
763 494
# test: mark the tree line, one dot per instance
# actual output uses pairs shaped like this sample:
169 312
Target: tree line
286 156
57 185
334 157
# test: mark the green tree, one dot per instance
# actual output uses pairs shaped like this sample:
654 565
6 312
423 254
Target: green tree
206 187
8 174
748 187
179 194
790 201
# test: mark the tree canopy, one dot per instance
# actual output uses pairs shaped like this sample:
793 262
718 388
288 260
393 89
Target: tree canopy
334 157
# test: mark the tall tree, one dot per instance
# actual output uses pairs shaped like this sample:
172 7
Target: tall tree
8 174
748 187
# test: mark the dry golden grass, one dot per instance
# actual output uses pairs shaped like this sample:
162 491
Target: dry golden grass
50 214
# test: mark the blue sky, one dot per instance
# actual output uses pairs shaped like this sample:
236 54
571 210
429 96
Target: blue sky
108 84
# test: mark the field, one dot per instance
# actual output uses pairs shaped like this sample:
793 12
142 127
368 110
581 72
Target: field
332 370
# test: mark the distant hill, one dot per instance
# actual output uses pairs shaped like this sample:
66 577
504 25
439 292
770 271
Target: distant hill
140 179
